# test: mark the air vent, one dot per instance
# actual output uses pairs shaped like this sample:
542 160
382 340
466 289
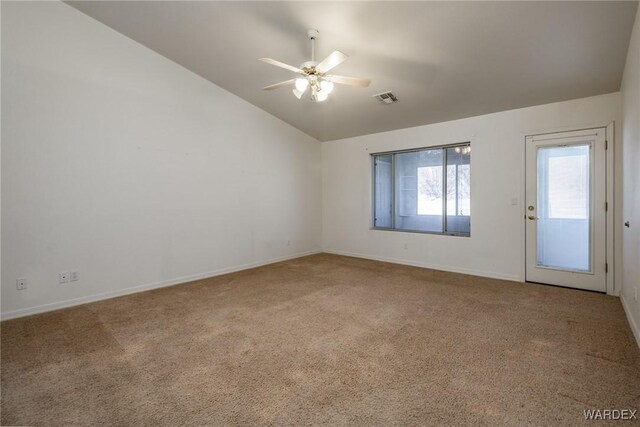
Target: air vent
386 97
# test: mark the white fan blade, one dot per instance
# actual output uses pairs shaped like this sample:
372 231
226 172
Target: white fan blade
282 65
336 58
353 81
277 85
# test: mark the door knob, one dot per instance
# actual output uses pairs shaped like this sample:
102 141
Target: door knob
531 208
531 217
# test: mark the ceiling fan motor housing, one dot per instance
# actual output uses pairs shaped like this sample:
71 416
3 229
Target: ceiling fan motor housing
309 65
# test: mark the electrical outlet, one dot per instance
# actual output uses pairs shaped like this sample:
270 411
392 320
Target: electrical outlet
635 294
406 246
21 283
74 276
63 277
288 242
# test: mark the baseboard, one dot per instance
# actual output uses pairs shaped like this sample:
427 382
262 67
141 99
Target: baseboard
141 288
634 326
448 268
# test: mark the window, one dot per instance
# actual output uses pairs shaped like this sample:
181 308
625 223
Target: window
412 192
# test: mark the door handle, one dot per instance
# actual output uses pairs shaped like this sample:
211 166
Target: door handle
532 218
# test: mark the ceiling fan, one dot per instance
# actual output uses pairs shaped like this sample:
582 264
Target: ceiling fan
314 74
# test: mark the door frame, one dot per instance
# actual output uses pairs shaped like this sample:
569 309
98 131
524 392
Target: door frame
609 198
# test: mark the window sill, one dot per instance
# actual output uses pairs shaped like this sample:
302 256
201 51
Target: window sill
436 233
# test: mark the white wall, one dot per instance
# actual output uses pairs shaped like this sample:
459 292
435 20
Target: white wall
496 245
631 180
127 167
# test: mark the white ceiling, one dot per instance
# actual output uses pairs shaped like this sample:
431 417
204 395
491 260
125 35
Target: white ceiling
444 60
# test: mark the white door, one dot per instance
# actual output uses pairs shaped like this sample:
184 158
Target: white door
565 211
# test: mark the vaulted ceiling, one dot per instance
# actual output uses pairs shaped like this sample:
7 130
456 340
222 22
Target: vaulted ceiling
443 60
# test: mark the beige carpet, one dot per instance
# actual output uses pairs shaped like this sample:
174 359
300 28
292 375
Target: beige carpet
324 340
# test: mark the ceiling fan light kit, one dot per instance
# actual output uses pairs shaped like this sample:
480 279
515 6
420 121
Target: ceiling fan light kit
314 74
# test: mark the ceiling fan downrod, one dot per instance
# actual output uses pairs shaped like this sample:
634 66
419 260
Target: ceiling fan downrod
313 35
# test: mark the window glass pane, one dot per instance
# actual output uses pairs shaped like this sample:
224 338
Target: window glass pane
563 207
382 191
459 189
419 190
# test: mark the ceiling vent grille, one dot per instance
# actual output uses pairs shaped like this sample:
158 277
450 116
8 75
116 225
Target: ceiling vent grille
386 97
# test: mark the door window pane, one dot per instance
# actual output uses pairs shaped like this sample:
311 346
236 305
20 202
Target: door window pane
563 216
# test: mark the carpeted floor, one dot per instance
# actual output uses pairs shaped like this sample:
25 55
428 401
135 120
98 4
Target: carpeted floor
324 340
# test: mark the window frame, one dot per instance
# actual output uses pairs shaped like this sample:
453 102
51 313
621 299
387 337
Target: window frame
392 153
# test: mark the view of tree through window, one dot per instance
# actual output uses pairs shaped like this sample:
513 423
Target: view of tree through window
430 190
